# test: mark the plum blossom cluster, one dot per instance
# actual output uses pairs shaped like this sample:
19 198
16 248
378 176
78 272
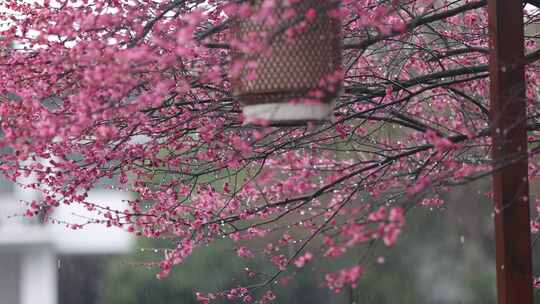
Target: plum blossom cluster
344 278
136 96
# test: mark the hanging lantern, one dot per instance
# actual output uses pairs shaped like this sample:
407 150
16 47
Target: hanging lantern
288 61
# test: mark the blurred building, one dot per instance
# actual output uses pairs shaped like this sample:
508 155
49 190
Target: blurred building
31 251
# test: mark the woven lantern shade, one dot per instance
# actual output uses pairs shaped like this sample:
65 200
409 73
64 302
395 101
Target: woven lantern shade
297 76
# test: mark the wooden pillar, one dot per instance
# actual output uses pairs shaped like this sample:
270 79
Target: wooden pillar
509 137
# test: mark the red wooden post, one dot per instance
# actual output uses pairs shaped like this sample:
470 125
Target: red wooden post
509 135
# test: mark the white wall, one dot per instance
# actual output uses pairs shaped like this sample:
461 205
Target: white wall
38 276
29 250
94 238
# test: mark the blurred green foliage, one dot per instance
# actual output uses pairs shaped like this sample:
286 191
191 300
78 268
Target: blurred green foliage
444 256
